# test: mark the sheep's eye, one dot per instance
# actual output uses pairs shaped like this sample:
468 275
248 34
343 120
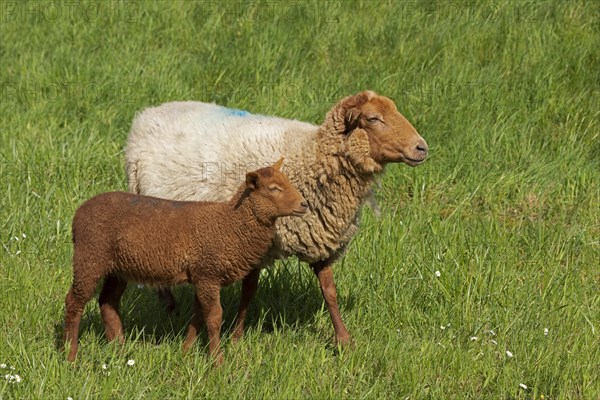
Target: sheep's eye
374 119
275 188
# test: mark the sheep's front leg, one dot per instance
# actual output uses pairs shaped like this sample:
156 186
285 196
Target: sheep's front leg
324 273
207 307
249 287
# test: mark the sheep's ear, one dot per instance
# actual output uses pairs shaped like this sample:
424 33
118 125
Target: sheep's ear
352 119
278 164
353 111
252 180
345 115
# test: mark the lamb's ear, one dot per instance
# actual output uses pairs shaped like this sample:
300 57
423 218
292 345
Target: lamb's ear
277 165
358 151
252 180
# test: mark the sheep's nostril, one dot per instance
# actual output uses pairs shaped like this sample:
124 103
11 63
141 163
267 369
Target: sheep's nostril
422 148
304 204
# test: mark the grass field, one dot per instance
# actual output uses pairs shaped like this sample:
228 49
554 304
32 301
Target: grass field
506 210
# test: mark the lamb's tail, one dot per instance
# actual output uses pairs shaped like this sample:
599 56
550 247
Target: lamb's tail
133 183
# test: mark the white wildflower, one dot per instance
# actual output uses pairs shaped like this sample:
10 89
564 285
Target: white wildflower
12 378
24 236
12 368
140 286
131 363
508 353
438 273
473 338
442 327
69 398
2 365
104 366
523 386
545 331
493 341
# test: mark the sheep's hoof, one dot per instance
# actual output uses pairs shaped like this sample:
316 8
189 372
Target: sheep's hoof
235 338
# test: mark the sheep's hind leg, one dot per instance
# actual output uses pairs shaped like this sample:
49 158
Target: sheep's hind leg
324 273
165 296
249 288
207 307
109 307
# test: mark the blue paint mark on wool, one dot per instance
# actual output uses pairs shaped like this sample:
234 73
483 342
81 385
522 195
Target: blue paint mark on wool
236 112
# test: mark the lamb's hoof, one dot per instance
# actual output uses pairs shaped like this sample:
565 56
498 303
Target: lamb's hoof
344 341
218 360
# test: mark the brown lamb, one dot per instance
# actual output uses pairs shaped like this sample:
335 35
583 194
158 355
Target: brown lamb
124 237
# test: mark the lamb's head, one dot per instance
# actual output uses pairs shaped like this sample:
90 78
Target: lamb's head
374 132
273 195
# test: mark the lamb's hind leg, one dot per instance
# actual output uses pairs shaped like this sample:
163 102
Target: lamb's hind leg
109 307
324 273
249 287
77 297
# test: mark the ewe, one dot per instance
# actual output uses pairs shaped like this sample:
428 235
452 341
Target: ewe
195 151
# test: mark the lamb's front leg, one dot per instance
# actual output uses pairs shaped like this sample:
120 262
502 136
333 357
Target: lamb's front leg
207 307
249 288
109 307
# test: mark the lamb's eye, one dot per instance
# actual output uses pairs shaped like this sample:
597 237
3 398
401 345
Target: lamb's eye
275 188
373 119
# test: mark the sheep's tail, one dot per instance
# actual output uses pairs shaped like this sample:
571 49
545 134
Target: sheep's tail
133 183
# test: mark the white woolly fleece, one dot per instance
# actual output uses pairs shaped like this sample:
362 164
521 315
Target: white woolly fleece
200 151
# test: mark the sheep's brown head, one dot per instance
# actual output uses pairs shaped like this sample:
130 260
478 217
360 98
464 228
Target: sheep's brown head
375 133
273 194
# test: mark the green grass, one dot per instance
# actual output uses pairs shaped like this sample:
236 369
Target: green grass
507 208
